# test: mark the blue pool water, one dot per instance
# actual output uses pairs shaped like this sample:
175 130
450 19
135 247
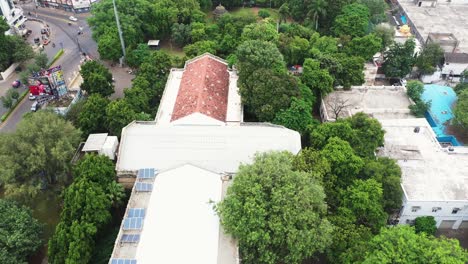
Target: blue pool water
403 19
440 113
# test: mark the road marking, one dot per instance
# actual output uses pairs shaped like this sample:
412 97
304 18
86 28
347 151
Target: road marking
57 18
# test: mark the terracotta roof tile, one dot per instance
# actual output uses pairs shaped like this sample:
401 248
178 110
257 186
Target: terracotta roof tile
203 89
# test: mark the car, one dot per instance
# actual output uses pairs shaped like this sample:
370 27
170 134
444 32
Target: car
45 41
32 97
72 18
35 106
16 84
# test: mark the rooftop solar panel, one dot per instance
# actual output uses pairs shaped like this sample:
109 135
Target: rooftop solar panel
133 223
130 238
123 261
144 187
136 212
147 173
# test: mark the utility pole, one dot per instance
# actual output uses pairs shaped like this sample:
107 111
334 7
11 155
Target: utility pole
120 34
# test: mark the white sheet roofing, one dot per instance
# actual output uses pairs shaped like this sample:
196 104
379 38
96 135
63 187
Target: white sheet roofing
95 142
217 148
180 225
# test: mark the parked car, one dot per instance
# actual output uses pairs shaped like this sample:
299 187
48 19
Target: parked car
45 31
72 18
32 97
35 106
37 41
16 84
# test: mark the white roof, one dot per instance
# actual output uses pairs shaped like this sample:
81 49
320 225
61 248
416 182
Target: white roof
217 148
181 226
153 42
429 172
95 142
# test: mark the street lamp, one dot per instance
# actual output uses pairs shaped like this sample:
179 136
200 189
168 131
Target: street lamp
122 43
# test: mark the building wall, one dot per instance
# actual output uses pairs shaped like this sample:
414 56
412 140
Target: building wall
409 211
14 16
457 68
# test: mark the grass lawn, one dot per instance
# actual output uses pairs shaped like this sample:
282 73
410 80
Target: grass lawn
171 49
244 11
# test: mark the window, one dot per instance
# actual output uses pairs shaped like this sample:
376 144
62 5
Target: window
435 209
455 210
415 208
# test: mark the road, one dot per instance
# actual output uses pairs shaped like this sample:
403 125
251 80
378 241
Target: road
74 46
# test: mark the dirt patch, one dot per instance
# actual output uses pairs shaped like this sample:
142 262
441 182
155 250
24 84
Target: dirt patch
460 133
460 234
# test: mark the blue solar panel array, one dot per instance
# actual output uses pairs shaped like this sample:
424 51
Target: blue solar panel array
130 238
133 223
147 173
136 212
144 187
123 261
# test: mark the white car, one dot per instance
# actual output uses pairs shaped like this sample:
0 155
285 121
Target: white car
72 18
32 97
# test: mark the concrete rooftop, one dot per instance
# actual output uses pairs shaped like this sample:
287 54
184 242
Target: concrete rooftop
429 172
441 19
382 102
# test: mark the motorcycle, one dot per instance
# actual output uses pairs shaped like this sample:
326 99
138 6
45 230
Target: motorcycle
53 45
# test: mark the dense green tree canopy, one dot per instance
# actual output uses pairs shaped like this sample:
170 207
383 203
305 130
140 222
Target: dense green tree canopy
426 224
353 21
200 47
364 199
319 80
430 57
119 114
263 31
86 209
37 153
376 9
277 214
12 48
364 47
20 233
97 79
399 59
297 117
92 118
402 245
414 90
461 109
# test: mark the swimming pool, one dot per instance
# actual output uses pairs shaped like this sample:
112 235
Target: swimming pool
403 20
440 112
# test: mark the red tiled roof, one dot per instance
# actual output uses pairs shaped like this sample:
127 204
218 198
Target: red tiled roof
203 89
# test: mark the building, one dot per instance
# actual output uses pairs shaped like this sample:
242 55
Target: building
381 102
77 6
455 64
439 17
13 15
434 179
180 165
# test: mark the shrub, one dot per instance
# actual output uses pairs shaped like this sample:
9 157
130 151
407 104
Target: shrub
426 224
263 13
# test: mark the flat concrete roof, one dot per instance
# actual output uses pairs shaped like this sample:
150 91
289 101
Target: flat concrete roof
217 148
95 142
429 172
381 102
440 19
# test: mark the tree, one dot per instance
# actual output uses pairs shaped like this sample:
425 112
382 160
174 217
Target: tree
319 80
399 60
369 134
41 60
365 47
387 172
317 9
96 79
21 233
401 244
86 209
420 108
386 33
321 134
263 31
283 12
425 224
137 56
265 93
7 101
254 54
277 214
22 51
200 47
109 46
337 105
351 71
119 114
461 110
364 199
376 9
311 161
181 34
414 90
37 153
353 21
297 117
138 99
92 118
430 57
